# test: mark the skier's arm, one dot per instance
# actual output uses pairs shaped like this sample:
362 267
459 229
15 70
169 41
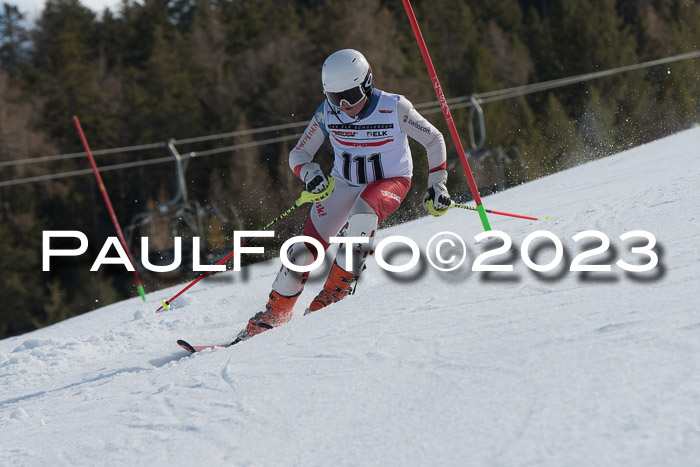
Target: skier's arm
437 199
417 127
309 143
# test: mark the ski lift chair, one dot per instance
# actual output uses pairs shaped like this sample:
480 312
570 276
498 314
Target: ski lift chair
496 168
179 217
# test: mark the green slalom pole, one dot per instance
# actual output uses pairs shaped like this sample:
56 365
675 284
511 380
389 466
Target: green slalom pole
484 219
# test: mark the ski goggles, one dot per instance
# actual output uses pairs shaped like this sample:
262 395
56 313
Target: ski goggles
352 96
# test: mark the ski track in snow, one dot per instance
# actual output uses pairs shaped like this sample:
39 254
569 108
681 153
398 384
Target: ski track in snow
420 368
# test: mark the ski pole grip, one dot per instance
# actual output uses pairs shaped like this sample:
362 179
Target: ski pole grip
307 197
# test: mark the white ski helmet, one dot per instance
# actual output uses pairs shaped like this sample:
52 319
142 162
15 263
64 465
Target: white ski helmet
346 76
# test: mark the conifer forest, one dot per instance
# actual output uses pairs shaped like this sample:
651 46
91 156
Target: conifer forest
155 77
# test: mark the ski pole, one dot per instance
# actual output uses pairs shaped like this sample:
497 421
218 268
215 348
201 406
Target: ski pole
305 197
490 211
103 190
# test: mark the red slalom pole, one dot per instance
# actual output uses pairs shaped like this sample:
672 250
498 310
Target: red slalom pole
500 213
139 287
166 303
305 197
447 114
510 214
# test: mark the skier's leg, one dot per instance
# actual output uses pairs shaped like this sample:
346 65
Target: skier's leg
385 196
286 289
362 223
325 220
377 201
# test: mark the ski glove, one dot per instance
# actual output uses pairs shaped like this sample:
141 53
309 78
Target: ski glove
437 199
312 175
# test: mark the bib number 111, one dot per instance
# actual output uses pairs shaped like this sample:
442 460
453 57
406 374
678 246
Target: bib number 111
360 163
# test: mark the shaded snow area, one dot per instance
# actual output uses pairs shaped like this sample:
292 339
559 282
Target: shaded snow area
417 368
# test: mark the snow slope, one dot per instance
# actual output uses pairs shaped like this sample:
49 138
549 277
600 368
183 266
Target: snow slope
418 368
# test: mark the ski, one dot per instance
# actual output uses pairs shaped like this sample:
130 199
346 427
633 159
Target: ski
196 348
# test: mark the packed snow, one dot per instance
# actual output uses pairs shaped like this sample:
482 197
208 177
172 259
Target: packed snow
417 368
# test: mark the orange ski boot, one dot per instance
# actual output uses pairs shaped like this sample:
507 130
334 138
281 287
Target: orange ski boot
277 312
337 286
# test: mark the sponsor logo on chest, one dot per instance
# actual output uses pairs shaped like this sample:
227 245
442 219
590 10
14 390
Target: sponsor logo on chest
345 134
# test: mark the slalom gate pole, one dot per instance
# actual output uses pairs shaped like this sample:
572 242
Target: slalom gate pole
103 190
305 197
500 213
448 116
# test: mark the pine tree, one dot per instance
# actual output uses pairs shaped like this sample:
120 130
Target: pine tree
13 39
563 146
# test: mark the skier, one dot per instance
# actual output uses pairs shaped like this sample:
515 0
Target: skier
372 173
